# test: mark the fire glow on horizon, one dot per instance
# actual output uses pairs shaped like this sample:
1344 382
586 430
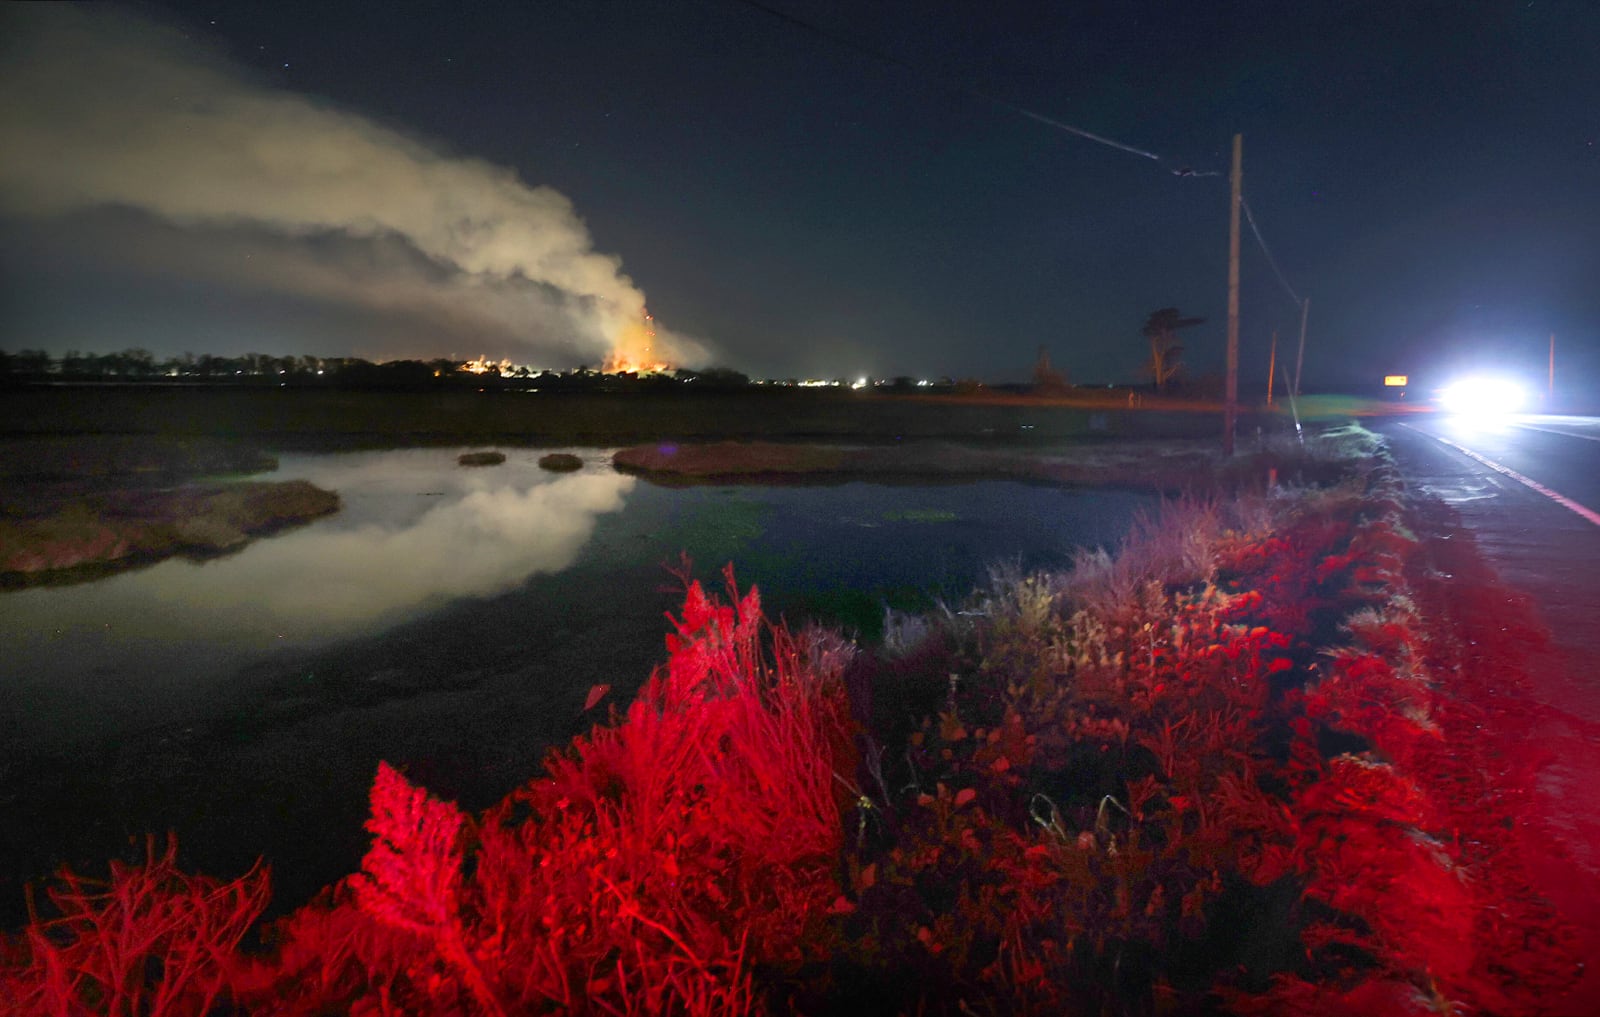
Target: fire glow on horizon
226 180
633 352
635 349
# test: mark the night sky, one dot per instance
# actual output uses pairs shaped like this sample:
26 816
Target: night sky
805 187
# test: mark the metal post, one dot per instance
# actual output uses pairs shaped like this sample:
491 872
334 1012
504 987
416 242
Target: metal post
1230 409
1300 358
1272 366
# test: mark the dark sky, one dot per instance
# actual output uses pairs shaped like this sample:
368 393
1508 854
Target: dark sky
828 193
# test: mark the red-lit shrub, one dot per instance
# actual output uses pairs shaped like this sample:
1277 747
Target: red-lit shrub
655 866
1087 795
1155 792
149 941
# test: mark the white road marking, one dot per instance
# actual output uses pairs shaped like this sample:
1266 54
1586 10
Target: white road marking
1551 430
1560 499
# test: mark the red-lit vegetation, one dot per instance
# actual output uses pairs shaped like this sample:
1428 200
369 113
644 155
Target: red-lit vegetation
1221 771
149 940
653 869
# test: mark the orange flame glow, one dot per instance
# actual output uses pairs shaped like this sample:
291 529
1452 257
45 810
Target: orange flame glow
482 365
635 351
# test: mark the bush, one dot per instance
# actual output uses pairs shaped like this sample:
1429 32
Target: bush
1217 770
654 867
150 941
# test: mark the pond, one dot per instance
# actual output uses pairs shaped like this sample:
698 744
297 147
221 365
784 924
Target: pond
450 620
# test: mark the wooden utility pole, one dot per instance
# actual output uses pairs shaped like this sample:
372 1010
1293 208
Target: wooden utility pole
1230 410
1272 365
1300 358
1550 391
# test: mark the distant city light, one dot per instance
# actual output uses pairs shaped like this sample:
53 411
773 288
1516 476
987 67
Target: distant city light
859 383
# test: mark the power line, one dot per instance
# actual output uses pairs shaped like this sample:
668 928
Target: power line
1052 122
1256 230
886 58
1099 139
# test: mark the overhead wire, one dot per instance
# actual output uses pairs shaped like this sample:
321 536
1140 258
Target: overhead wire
887 58
1256 230
1099 139
1059 125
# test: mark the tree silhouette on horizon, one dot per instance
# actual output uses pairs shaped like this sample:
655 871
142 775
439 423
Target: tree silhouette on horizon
1161 329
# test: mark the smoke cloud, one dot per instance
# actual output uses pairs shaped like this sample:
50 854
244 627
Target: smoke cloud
101 110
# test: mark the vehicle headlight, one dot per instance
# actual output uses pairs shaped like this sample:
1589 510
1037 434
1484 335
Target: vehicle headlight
1484 396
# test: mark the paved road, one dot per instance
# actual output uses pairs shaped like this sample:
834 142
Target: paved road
1529 489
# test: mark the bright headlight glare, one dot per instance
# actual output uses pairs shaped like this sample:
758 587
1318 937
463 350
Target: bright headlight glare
1483 396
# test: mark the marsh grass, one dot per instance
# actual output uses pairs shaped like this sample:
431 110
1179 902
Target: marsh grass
1231 718
1217 770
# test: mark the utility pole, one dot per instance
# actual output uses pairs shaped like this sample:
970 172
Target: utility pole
1230 410
1300 358
1550 391
1272 366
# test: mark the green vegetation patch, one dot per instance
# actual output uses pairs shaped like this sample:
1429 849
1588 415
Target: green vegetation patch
920 516
721 529
861 613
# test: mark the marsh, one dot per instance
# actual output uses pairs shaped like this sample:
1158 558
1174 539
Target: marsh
449 620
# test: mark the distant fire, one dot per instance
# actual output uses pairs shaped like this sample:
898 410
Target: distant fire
486 366
635 351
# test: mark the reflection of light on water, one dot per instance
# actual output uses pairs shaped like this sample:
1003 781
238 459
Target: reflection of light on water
325 582
415 532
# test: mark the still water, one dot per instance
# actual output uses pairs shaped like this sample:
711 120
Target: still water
448 619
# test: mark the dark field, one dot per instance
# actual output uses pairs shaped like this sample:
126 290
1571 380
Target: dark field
297 418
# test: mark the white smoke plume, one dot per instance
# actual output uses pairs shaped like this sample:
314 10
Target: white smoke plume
99 109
